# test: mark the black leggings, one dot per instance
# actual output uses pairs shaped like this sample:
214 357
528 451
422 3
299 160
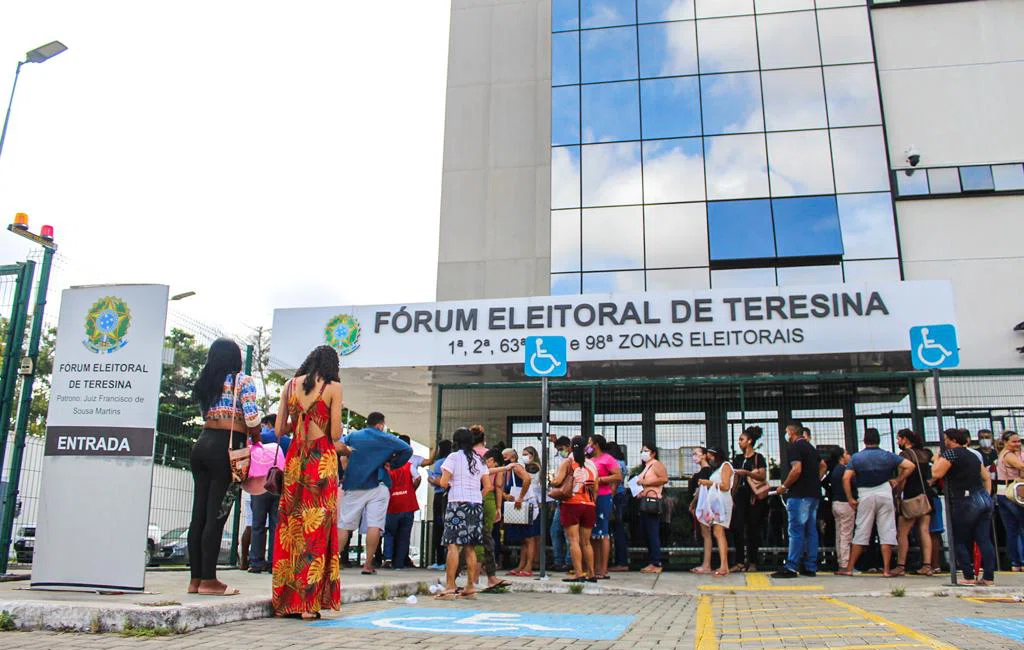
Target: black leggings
747 520
211 475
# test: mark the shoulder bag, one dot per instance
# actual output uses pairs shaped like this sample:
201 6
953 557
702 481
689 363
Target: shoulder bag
920 505
563 490
238 459
649 499
1014 490
759 488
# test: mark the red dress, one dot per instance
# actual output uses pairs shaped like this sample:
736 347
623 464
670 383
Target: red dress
307 571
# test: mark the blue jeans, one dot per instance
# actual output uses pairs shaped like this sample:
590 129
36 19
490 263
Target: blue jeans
264 508
652 529
619 503
397 534
803 533
1013 521
972 524
559 542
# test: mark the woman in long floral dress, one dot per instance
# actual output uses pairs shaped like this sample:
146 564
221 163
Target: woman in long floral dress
307 574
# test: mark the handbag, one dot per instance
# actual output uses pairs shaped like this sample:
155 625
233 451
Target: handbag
275 476
513 516
917 506
563 490
648 504
238 459
1014 491
758 487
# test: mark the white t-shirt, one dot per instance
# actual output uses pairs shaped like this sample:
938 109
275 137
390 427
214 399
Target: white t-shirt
414 465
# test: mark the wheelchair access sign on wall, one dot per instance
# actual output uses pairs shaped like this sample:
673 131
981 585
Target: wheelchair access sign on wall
546 356
933 347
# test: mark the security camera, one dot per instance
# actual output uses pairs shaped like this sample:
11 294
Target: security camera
913 155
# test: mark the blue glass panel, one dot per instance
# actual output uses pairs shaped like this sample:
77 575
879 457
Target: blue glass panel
668 49
609 54
622 281
565 284
612 174
977 178
807 227
869 230
944 180
671 107
654 11
608 13
565 58
565 115
611 112
740 230
565 14
1008 177
914 185
673 171
732 103
565 177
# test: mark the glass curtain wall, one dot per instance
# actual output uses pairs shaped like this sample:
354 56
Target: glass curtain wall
716 143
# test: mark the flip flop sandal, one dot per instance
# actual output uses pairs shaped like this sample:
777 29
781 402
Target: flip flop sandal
720 574
697 570
228 591
447 595
369 573
493 588
468 596
314 617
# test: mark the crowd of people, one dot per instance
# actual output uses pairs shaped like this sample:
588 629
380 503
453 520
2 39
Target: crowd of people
489 497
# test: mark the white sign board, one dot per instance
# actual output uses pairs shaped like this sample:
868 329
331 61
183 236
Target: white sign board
98 464
829 319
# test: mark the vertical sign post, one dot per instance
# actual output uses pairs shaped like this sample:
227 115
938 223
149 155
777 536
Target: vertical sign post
100 430
545 357
933 347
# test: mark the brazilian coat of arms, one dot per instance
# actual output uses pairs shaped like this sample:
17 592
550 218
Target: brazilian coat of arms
106 325
342 334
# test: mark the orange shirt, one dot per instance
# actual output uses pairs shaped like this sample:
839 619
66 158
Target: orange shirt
582 478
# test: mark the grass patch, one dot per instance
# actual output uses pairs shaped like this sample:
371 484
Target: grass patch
385 592
134 631
7 622
898 592
576 589
422 589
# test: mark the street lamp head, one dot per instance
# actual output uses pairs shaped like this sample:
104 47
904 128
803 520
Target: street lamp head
182 296
44 52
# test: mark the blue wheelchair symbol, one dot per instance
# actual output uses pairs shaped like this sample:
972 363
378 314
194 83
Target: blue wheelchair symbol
934 347
545 356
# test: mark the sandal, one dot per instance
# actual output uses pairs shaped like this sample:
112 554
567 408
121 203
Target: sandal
844 573
227 591
739 568
514 572
447 595
701 570
315 616
925 570
897 571
574 579
721 573
504 584
981 582
468 595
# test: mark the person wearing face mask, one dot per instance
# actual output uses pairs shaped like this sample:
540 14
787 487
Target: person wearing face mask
989 454
751 506
700 459
1009 470
608 476
620 502
559 543
521 491
652 480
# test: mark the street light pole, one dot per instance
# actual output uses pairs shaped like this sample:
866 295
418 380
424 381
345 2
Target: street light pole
10 102
38 55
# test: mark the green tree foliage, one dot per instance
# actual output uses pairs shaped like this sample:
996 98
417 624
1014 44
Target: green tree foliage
179 377
270 383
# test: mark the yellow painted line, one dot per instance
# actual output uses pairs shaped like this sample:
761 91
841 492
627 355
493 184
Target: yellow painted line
787 588
988 601
816 619
706 638
868 647
771 628
798 637
928 641
758 580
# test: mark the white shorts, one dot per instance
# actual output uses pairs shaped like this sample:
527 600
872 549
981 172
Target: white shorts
876 510
367 506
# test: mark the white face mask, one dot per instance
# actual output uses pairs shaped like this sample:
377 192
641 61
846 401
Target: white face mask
645 456
527 458
985 443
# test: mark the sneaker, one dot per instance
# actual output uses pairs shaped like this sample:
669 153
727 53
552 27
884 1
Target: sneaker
808 573
436 567
785 574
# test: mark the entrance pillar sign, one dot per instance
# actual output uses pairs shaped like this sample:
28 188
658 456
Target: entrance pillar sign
91 532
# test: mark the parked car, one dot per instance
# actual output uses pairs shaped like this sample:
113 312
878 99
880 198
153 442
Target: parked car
174 549
25 541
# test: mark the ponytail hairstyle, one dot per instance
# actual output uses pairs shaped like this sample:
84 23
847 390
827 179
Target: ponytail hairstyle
478 434
322 362
462 440
753 433
579 450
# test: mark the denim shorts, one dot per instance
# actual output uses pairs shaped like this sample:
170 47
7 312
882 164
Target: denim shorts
938 524
604 517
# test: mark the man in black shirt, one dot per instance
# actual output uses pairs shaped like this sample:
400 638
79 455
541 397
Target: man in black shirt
803 485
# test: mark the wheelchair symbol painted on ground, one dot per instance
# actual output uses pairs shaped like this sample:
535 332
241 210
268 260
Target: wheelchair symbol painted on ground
545 356
934 346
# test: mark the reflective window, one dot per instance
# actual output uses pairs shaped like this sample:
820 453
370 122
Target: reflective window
740 230
845 36
976 178
805 275
743 278
715 8
653 11
673 171
566 284
609 54
800 163
794 99
872 271
727 44
788 40
671 107
565 14
944 180
914 184
736 166
858 156
678 279
731 103
852 95
1008 177
565 115
621 282
769 6
807 227
565 240
867 225
611 112
607 13
676 235
668 49
565 58
611 174
565 177
613 238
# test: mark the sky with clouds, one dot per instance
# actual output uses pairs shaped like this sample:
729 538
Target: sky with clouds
261 154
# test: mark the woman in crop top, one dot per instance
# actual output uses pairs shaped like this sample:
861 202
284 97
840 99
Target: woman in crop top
1009 469
578 513
227 401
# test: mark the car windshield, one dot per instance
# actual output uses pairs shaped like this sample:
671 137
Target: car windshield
177 533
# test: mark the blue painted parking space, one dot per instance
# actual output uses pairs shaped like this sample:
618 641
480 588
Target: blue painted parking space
481 623
1011 628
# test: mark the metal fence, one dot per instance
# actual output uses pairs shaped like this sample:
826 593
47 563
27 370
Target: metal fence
676 415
